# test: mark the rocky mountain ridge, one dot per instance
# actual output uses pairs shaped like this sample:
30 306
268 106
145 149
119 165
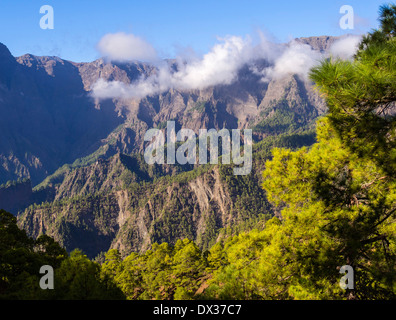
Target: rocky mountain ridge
50 119
125 204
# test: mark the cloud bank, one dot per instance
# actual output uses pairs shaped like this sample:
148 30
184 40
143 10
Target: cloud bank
219 66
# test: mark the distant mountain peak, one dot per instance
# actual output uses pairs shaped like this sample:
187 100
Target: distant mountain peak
320 43
4 50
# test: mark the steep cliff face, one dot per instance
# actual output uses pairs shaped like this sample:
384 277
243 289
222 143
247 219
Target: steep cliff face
132 219
137 204
46 116
50 119
196 209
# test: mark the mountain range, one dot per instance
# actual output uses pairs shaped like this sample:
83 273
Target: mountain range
71 165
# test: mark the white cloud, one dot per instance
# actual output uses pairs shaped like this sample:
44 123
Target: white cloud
296 58
126 47
219 66
346 47
116 89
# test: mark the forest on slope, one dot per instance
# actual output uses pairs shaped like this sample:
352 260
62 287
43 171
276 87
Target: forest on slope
140 205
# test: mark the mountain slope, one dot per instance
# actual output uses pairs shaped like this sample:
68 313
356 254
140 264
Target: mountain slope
49 118
135 206
46 116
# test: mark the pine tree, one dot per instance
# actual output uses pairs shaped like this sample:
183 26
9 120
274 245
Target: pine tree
337 199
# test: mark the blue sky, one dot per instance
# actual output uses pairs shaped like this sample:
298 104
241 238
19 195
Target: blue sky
170 25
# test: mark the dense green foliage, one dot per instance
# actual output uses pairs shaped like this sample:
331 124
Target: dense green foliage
21 257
